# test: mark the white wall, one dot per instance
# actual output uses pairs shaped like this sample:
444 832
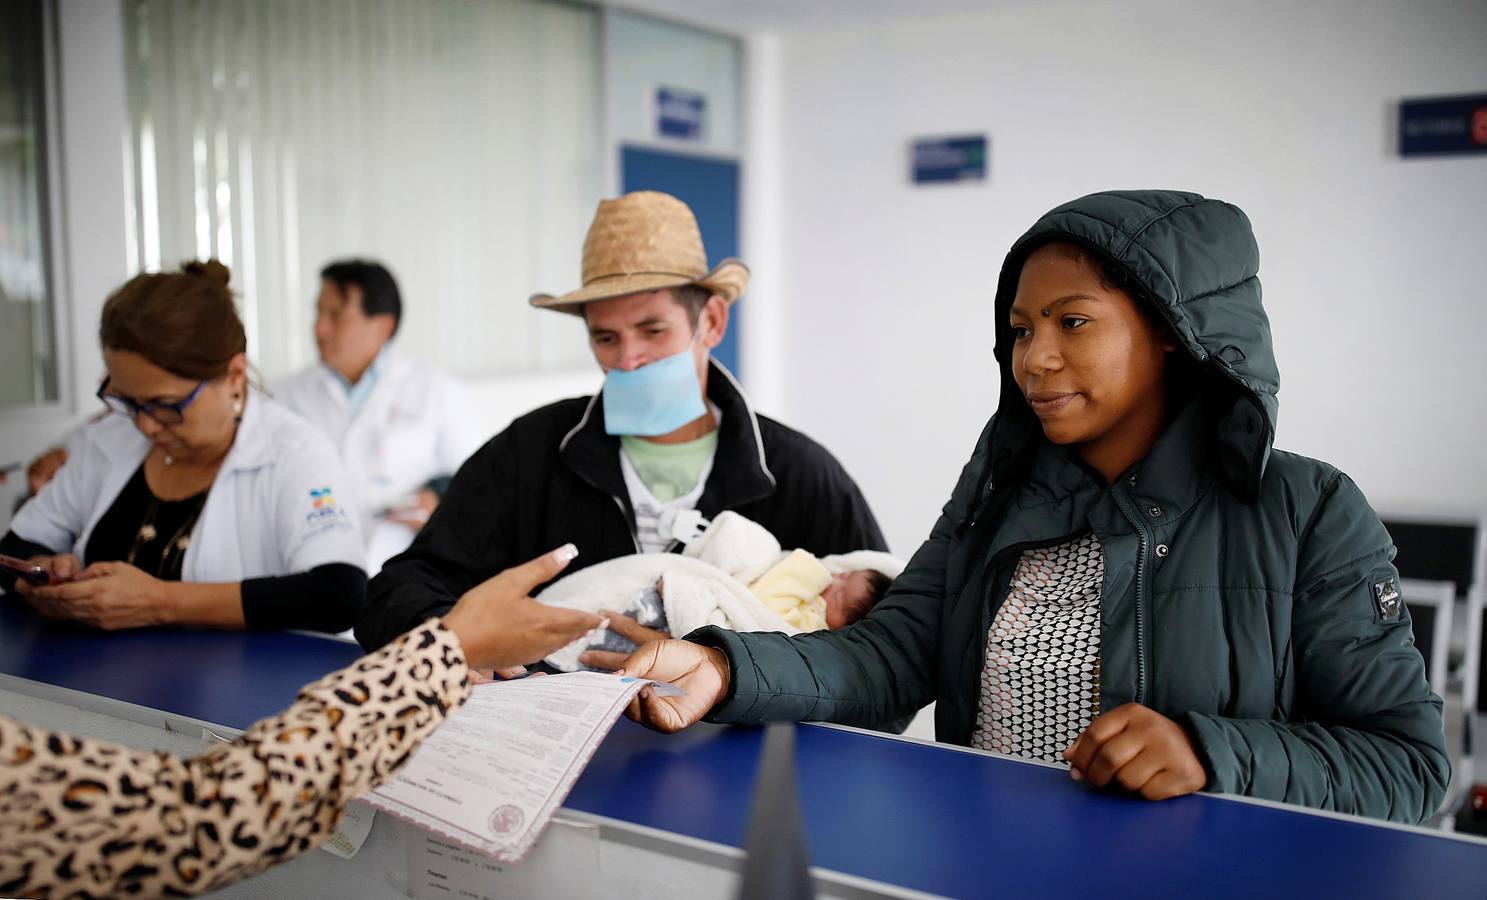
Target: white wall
1371 264
766 303
88 165
642 54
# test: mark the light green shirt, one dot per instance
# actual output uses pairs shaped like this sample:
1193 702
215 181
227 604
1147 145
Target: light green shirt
669 470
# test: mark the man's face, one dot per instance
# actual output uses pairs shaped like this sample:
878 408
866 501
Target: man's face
628 332
347 338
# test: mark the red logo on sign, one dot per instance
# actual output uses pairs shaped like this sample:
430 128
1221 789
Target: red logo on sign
1479 125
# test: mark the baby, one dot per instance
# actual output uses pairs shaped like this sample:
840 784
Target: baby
809 596
851 594
732 574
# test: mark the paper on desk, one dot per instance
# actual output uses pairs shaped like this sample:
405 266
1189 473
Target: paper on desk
492 776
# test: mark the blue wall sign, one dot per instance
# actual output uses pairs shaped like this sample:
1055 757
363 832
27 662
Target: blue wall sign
944 159
1440 125
680 114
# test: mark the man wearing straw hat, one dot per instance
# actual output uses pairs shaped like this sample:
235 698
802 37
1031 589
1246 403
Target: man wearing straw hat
670 438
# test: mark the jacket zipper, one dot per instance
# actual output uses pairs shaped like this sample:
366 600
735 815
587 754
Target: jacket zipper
1145 537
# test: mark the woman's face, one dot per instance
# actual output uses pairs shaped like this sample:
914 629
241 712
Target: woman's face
208 426
1088 362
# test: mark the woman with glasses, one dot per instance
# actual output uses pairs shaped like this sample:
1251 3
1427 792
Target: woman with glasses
201 502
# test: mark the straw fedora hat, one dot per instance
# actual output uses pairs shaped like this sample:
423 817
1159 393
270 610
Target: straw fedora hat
645 241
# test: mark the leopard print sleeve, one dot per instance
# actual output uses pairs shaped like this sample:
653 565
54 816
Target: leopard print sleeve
82 818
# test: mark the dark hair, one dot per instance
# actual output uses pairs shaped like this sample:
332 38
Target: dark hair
1115 277
379 290
878 582
1182 371
692 298
184 322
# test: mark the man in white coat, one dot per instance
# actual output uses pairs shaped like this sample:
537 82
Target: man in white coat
402 427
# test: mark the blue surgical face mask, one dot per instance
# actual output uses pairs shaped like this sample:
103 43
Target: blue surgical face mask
655 399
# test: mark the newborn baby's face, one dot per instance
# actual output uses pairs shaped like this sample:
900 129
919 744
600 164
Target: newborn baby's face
848 598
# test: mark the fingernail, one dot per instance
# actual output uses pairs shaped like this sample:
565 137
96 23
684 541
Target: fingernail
566 553
1074 774
518 671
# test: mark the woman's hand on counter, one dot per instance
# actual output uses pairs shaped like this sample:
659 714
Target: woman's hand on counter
1139 749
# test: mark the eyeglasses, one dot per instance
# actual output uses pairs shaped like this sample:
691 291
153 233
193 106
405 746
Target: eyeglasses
164 413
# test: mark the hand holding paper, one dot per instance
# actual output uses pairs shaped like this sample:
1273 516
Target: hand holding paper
698 676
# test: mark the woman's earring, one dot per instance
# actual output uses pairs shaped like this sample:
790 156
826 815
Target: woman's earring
237 409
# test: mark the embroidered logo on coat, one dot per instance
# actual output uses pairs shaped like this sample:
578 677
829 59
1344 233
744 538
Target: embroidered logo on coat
323 509
1386 595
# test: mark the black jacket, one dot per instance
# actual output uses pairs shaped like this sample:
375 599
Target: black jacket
554 476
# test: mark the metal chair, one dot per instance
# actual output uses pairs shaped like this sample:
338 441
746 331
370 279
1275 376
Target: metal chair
1454 552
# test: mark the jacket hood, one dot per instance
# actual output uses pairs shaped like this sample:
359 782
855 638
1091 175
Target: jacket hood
1198 262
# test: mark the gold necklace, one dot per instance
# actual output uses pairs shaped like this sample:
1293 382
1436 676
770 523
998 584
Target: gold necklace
178 542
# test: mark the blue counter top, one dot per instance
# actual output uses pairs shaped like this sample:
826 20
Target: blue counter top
930 818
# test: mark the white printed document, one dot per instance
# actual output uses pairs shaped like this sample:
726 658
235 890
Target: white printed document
492 776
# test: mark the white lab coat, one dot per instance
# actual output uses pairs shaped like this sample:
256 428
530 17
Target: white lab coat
415 425
277 506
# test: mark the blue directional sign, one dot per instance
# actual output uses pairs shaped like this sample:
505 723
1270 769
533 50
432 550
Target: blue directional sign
680 114
1441 125
947 159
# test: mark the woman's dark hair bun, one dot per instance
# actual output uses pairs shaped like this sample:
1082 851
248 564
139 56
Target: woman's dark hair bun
184 322
209 269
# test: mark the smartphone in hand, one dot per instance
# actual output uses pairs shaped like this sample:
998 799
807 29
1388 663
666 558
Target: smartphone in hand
27 570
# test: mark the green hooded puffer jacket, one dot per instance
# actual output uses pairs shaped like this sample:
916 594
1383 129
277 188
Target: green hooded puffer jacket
1249 593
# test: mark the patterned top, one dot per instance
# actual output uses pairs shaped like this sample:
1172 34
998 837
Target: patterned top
83 818
1040 687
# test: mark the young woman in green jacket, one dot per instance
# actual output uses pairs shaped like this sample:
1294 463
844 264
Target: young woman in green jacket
1128 578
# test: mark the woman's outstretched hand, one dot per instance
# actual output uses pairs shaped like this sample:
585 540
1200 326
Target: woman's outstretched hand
500 626
700 671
